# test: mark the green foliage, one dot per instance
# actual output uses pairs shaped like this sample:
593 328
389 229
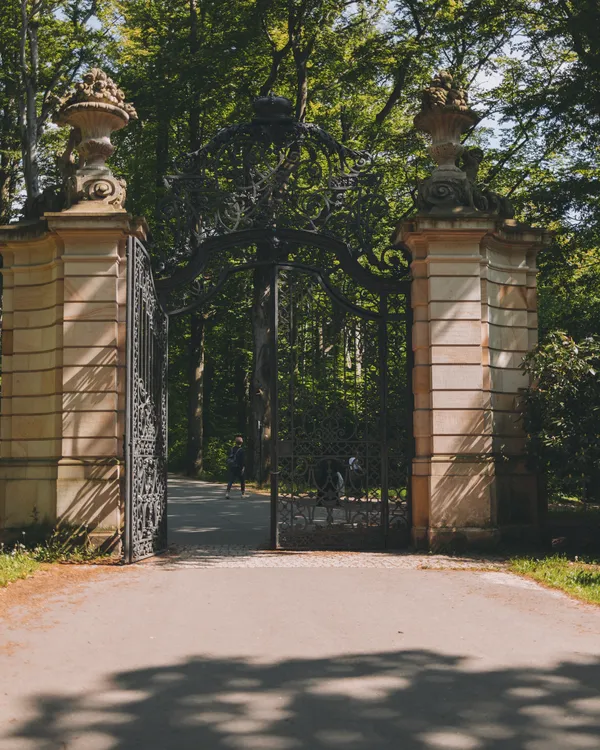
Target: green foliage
41 545
66 544
43 46
44 543
579 579
15 565
562 414
215 453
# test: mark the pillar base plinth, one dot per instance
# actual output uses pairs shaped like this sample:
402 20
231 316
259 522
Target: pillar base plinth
462 539
419 538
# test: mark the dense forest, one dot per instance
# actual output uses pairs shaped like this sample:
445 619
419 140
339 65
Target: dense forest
532 68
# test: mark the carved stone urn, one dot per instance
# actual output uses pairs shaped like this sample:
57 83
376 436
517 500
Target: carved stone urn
95 109
445 115
445 126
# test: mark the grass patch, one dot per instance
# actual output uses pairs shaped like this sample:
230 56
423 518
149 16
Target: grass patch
61 545
69 545
15 566
580 579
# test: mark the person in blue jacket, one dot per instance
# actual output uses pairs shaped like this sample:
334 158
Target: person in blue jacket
236 468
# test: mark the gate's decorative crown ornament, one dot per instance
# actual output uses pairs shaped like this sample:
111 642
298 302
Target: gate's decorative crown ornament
272 108
94 109
273 175
445 114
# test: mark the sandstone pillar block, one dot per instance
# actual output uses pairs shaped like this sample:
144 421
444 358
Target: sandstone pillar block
63 383
474 313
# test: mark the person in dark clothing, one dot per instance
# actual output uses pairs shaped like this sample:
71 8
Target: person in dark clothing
236 468
356 477
329 478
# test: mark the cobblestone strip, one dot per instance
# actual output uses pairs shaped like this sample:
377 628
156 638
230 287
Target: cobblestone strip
246 557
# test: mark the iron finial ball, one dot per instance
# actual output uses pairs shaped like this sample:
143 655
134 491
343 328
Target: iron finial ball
272 108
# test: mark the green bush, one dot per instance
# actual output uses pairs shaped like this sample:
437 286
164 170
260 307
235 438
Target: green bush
14 565
562 414
44 543
215 455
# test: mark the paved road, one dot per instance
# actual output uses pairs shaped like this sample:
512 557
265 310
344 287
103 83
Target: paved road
199 514
225 649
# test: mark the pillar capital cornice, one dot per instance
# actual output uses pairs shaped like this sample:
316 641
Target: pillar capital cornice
46 240
92 221
421 232
27 244
512 236
430 228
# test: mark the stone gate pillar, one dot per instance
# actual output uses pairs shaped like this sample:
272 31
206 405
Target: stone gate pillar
475 317
63 337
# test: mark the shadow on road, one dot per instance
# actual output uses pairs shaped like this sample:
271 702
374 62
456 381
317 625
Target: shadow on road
199 515
411 700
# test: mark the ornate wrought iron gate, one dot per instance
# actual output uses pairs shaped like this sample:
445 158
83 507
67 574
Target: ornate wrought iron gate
279 195
341 442
146 411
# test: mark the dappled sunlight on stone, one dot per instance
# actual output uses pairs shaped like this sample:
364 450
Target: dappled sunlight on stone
262 742
363 688
340 738
450 740
386 700
117 697
527 692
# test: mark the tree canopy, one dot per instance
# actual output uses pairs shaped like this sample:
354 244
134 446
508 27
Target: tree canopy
355 67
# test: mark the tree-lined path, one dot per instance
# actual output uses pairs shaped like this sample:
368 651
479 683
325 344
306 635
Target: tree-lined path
237 650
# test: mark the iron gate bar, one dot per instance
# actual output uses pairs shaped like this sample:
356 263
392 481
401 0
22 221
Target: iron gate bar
383 385
274 305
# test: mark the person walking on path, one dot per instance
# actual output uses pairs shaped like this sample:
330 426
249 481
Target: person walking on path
236 468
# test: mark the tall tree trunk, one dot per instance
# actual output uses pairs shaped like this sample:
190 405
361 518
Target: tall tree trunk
195 442
29 63
6 196
8 164
241 386
301 61
277 57
161 150
196 394
195 104
209 379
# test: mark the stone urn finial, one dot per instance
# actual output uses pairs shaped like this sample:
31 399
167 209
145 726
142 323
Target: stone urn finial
94 109
445 114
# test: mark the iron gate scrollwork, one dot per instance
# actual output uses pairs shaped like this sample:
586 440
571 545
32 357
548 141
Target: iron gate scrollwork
146 411
341 448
